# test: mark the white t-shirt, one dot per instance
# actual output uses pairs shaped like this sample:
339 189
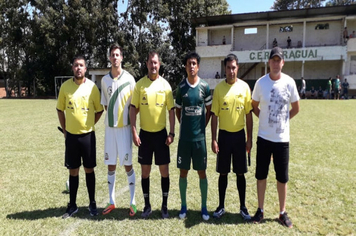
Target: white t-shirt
275 98
116 94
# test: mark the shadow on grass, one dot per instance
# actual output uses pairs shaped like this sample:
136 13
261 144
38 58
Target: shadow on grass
120 214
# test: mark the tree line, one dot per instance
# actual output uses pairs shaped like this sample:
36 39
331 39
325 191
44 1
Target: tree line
39 38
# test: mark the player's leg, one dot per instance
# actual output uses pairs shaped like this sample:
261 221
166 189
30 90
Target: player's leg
239 162
199 157
263 159
183 163
281 163
88 142
145 152
110 159
72 162
124 148
162 159
223 163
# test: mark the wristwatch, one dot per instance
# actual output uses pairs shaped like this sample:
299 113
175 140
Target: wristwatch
172 134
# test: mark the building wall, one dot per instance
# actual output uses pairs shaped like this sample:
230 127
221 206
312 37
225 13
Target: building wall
216 36
324 37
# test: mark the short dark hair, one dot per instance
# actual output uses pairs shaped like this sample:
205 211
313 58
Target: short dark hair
116 46
79 57
151 54
231 57
191 55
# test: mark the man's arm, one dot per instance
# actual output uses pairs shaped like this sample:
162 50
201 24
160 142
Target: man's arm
98 115
214 126
172 120
178 113
256 109
207 115
294 110
133 112
62 121
249 128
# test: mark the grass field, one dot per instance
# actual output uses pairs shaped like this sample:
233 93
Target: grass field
321 197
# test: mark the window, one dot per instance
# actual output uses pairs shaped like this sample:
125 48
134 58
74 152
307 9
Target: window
288 28
251 31
322 26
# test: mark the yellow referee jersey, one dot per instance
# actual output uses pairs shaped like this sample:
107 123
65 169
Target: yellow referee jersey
152 98
231 103
80 103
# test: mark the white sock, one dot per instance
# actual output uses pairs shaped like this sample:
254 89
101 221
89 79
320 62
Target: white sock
131 178
111 183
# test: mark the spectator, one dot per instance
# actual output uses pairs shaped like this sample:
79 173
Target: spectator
345 87
320 93
289 41
345 35
304 85
217 76
224 40
312 92
329 86
274 43
337 88
353 34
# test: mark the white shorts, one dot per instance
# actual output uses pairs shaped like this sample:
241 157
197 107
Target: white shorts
118 144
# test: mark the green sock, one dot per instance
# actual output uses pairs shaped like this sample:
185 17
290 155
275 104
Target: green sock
183 190
204 191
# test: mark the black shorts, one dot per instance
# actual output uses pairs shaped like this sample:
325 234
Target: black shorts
280 152
231 145
153 142
80 146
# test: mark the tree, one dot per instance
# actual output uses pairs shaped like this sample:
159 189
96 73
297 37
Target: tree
296 4
339 2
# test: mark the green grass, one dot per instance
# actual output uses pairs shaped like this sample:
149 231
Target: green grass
321 192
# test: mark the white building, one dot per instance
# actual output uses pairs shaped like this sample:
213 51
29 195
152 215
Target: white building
317 50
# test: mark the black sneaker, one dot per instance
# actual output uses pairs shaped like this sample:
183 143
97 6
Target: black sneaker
258 217
219 212
244 213
146 212
284 220
92 209
164 211
71 210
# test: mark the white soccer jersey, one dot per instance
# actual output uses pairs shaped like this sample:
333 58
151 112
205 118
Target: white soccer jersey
116 94
275 98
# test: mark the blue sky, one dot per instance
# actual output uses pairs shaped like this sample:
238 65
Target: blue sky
241 6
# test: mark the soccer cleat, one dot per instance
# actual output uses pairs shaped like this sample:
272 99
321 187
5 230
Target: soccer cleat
219 212
258 217
109 207
92 209
284 220
204 213
146 212
71 210
244 213
133 210
183 212
164 211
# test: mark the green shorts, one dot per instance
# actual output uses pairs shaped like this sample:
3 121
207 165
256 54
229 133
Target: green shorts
196 151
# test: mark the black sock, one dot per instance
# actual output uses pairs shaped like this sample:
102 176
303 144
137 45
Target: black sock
165 189
90 180
73 189
145 183
222 189
241 187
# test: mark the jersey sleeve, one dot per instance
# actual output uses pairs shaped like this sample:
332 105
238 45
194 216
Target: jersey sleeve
294 92
215 104
169 95
61 102
178 103
248 101
96 98
208 98
256 92
135 100
104 94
